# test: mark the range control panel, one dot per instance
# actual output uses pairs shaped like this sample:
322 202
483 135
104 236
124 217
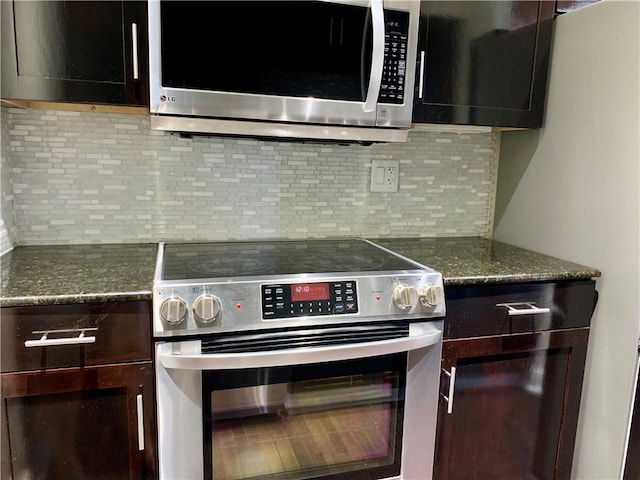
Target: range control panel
185 308
308 299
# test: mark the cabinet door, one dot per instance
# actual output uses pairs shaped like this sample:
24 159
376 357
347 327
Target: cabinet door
75 51
483 63
79 423
513 406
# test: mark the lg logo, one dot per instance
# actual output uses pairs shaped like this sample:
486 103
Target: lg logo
164 98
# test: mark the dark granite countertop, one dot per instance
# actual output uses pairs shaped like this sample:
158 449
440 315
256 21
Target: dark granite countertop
476 261
38 275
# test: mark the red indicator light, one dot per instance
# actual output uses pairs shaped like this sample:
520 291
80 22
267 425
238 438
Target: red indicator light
239 306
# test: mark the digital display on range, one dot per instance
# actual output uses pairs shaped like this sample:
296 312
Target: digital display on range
305 292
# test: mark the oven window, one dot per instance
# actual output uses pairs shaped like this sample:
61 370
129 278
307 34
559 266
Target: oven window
326 421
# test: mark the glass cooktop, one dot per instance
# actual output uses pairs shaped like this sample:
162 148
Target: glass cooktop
186 261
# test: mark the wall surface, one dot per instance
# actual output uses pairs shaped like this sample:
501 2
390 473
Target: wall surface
97 178
7 224
572 190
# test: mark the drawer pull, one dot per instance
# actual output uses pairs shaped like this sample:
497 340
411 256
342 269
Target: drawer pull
452 386
523 308
44 341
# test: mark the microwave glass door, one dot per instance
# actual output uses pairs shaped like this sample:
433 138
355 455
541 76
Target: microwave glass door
321 421
295 49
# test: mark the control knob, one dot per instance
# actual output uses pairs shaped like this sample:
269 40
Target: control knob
430 295
173 310
206 308
405 296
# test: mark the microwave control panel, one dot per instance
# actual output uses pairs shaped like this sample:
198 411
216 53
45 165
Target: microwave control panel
395 57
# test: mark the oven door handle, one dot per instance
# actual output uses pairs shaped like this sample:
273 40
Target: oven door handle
421 335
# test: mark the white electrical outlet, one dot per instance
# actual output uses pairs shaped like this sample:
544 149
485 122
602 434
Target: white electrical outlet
384 175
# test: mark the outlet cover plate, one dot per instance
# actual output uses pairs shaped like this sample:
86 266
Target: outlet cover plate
384 175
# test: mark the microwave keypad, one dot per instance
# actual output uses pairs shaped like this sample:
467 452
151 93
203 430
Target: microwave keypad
395 57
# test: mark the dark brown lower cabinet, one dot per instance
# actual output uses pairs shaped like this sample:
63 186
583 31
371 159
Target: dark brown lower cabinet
79 423
514 407
510 401
77 389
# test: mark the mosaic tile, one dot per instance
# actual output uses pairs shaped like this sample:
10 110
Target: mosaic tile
71 177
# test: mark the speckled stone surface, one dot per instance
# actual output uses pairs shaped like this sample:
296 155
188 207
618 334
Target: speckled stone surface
476 261
49 275
38 275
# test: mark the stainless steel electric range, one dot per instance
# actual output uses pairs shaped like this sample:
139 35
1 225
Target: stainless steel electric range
280 337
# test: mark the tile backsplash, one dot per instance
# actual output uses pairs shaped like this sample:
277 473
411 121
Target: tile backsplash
102 178
7 224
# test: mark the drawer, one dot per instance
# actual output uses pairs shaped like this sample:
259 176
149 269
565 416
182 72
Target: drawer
518 308
113 332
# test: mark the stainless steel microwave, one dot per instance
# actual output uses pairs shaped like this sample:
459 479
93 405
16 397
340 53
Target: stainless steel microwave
334 70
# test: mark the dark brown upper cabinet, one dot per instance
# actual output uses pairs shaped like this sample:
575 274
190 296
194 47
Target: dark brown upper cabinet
80 52
483 63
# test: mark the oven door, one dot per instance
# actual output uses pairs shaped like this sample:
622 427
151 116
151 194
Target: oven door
355 401
317 62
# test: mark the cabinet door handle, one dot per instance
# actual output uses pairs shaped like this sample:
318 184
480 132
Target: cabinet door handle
134 47
523 308
44 341
421 83
140 411
452 386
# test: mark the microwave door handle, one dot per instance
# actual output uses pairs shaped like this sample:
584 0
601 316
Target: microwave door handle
421 337
377 56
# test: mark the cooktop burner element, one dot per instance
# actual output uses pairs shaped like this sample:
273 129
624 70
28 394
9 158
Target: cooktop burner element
201 288
227 267
327 262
